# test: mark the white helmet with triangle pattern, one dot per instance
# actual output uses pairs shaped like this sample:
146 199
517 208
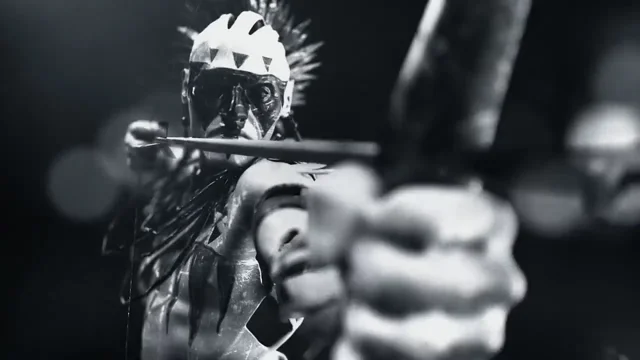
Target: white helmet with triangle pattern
245 71
244 43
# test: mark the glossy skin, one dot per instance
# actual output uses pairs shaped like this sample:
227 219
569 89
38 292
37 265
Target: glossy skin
429 270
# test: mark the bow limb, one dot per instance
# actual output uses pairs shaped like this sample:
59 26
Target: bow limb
449 94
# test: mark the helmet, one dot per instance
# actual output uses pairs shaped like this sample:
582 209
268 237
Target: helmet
244 43
252 68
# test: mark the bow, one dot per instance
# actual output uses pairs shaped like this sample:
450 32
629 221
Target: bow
448 98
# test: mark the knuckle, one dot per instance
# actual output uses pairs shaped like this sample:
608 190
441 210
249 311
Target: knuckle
311 290
145 124
144 128
452 214
480 333
464 280
396 282
129 140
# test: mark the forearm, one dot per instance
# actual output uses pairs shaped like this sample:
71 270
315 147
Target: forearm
281 225
279 218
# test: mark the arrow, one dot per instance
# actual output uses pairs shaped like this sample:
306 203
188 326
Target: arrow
315 151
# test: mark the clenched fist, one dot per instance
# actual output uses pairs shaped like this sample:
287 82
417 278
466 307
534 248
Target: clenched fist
428 270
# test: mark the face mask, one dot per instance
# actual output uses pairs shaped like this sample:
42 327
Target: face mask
231 94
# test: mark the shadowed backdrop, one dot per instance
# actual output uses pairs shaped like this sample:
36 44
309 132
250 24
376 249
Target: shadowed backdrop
77 72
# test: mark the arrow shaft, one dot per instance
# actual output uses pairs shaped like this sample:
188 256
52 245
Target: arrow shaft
315 151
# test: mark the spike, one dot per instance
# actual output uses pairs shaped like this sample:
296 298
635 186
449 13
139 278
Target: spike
189 33
304 77
306 68
300 28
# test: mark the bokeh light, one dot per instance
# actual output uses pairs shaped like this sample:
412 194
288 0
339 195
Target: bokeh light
606 126
548 199
79 187
84 183
160 106
603 127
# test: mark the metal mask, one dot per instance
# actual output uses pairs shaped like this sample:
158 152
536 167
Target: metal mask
221 101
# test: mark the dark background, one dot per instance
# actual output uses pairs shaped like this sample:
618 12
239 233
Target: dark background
72 66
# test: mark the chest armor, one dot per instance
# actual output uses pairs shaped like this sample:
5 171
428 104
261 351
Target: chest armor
235 285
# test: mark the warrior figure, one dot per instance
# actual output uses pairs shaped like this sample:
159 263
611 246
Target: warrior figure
228 260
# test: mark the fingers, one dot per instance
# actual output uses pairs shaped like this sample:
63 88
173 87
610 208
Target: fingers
432 277
499 249
336 204
455 253
412 217
397 282
428 335
290 263
310 291
145 130
142 152
303 290
292 258
430 270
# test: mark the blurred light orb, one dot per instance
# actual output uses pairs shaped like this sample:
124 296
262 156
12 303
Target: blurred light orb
607 126
160 106
79 187
548 199
605 139
110 143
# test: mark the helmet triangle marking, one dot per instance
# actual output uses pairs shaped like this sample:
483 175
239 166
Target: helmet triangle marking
213 53
267 62
239 58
